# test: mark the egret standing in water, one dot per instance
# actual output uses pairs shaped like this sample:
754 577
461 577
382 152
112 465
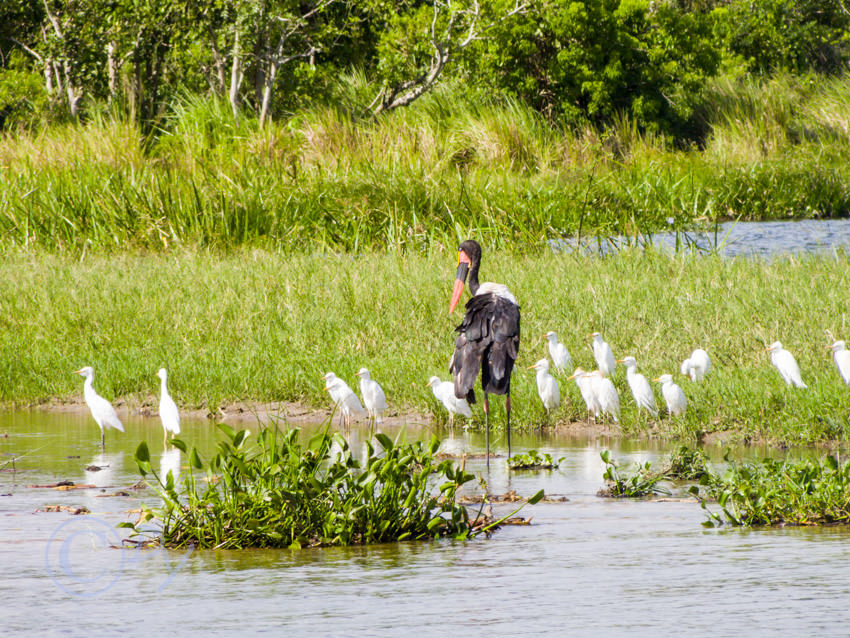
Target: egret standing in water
697 365
343 397
101 409
588 391
841 356
785 362
641 390
673 395
558 351
445 393
488 338
547 387
604 355
168 412
373 396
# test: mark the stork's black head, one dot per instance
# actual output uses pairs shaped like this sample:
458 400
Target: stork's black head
472 250
468 259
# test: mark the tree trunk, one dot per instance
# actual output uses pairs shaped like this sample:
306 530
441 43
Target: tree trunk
236 75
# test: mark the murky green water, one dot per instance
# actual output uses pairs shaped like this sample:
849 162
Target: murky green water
589 566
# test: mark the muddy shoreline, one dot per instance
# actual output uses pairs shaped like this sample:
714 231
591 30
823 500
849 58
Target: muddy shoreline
290 412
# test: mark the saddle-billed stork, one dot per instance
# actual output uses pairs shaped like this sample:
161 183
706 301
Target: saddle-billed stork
488 338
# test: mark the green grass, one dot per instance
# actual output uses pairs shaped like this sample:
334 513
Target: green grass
454 164
262 326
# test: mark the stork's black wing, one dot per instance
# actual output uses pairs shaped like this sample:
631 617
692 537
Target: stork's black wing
488 340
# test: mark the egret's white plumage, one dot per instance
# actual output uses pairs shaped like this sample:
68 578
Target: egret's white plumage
841 356
101 409
444 391
559 353
604 355
588 391
606 394
638 384
343 397
673 395
168 413
697 365
373 396
547 387
785 362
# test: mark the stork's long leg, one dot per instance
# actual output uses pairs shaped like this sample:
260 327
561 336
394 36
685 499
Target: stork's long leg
508 416
487 427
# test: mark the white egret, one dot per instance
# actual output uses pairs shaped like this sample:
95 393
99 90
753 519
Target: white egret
841 356
445 393
588 391
785 362
604 355
373 396
488 338
343 397
547 387
101 409
559 353
673 395
641 390
606 394
697 365
168 412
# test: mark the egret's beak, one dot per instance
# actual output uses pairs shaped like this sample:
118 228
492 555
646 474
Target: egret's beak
657 379
534 367
570 378
327 388
460 279
621 360
829 347
77 371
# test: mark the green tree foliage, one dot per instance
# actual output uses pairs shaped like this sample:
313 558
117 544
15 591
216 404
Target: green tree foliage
588 61
579 62
789 35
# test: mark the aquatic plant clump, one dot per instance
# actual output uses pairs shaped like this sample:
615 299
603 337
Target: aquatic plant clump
280 493
643 482
771 492
533 460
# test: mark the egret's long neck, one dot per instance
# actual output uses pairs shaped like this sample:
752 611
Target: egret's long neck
88 388
163 388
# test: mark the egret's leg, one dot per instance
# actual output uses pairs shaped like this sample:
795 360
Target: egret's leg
487 427
164 438
508 421
103 441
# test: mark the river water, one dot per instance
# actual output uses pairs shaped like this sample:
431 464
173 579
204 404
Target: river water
585 567
733 239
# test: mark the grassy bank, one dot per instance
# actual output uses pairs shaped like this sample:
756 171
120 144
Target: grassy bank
256 325
453 164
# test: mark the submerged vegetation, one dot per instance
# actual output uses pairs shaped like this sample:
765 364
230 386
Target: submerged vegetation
279 492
